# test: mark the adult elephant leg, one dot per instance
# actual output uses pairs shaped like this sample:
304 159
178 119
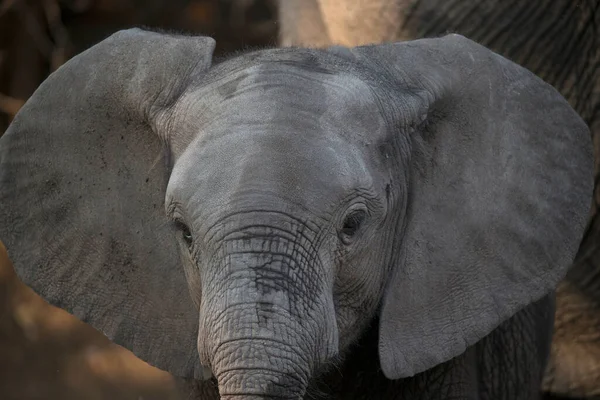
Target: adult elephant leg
301 23
359 22
516 372
323 23
267 314
574 367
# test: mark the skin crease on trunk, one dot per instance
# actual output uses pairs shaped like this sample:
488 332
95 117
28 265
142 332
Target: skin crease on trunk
560 41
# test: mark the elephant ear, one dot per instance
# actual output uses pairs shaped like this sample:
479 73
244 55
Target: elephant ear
499 191
83 173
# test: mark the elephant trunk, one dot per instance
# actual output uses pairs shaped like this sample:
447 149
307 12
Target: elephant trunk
257 369
267 319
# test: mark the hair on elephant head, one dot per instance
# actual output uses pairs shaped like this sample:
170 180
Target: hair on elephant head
254 216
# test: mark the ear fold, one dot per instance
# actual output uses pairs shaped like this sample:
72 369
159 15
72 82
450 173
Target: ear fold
83 174
501 179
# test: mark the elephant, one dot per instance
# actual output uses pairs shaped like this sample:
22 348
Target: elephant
560 42
386 221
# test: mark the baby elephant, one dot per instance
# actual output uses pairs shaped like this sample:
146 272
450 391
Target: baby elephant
379 222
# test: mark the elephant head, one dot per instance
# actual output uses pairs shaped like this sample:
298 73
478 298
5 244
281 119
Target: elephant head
252 217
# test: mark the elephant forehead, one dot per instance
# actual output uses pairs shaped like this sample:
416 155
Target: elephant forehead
278 128
289 93
248 161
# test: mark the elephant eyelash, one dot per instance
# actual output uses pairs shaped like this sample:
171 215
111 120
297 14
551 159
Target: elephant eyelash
185 231
352 225
175 215
353 222
172 212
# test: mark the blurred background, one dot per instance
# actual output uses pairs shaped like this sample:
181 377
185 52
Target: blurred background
37 36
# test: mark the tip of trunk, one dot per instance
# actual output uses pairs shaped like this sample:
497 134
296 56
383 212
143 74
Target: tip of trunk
260 384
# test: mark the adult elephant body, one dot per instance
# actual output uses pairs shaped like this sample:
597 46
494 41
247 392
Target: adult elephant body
287 214
558 40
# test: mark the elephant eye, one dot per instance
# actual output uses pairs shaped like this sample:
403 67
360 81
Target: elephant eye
185 232
352 224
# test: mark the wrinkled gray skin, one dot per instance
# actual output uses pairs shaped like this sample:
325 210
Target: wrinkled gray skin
260 217
559 40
